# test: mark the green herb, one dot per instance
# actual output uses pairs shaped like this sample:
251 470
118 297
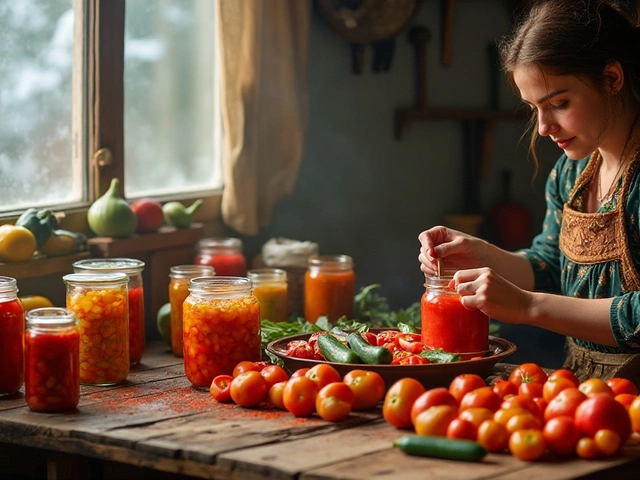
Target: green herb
372 308
440 356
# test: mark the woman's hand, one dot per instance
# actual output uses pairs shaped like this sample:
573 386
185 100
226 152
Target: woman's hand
457 249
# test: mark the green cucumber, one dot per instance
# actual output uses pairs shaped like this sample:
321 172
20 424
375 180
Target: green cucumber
369 353
335 351
441 447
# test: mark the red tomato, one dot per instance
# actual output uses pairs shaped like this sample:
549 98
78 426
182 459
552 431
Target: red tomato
524 421
601 411
554 386
564 403
301 372
608 442
561 435
465 383
408 359
622 385
276 395
386 336
493 436
248 389
300 349
370 337
476 415
299 396
274 374
396 408
587 448
502 388
245 366
462 430
527 445
593 386
626 399
323 374
522 402
149 215
435 420
528 372
530 389
367 386
430 398
334 402
564 373
634 414
410 342
542 405
220 388
483 397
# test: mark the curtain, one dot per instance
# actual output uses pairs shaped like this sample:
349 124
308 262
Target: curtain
263 51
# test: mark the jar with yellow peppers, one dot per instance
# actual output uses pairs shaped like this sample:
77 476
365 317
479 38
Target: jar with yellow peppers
270 288
221 321
180 276
100 303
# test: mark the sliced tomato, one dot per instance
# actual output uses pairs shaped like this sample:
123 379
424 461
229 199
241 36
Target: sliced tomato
410 342
299 349
410 359
370 337
386 336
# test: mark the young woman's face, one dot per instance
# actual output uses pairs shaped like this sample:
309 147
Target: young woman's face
569 111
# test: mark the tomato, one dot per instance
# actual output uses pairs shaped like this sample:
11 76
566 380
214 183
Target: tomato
220 388
370 337
476 415
593 386
334 402
408 359
274 374
622 385
561 435
300 349
430 398
481 397
465 383
554 386
564 403
248 389
435 420
410 342
530 389
634 414
323 374
300 372
502 388
504 414
608 442
528 372
276 395
626 399
601 411
299 396
527 445
523 421
367 386
396 408
245 366
587 448
542 405
462 430
386 336
493 436
522 402
564 373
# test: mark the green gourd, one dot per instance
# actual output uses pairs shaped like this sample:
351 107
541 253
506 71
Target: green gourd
111 216
176 215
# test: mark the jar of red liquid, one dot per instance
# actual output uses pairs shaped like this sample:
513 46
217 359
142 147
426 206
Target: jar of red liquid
11 337
270 288
180 276
221 321
52 348
100 302
223 254
329 287
133 269
447 324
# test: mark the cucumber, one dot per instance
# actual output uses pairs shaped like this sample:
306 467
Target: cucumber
441 447
335 351
368 353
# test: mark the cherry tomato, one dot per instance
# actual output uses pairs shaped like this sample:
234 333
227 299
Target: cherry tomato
493 436
396 408
561 435
248 389
386 336
502 388
481 397
410 342
564 373
601 411
274 374
435 420
462 429
465 383
587 448
626 399
301 372
554 386
634 414
622 385
476 415
367 386
245 366
530 389
323 374
220 388
276 395
608 442
527 445
523 421
564 403
528 372
430 398
593 386
334 402
299 396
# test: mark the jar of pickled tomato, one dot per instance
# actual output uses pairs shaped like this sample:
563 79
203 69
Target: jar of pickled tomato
221 321
11 337
100 302
224 254
329 287
180 276
133 269
447 324
270 288
52 349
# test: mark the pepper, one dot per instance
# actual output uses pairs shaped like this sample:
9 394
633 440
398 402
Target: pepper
40 223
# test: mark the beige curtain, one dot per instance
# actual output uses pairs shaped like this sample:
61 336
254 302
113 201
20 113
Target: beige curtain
264 50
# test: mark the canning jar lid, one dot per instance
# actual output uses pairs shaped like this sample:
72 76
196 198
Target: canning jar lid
96 279
127 265
50 317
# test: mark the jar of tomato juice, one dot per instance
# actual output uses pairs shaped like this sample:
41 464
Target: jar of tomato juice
223 254
270 288
329 287
447 324
11 337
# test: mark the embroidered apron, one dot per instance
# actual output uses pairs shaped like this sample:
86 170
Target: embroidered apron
591 238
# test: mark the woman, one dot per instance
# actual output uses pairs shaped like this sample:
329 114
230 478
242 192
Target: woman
577 66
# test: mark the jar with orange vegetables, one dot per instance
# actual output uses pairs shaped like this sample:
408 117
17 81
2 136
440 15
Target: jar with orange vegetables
447 324
270 288
329 287
224 254
180 276
52 348
221 321
11 337
100 302
133 269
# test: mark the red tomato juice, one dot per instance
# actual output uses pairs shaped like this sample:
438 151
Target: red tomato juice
136 324
11 346
232 264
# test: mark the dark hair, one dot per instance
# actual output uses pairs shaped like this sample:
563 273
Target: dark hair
576 37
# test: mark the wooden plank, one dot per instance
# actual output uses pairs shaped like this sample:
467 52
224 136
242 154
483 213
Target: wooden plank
40 267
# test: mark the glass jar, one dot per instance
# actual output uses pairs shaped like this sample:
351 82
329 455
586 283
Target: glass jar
133 269
180 276
448 325
100 302
329 287
270 288
11 337
221 320
223 254
52 349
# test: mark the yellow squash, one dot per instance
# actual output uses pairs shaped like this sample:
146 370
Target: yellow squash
29 302
17 244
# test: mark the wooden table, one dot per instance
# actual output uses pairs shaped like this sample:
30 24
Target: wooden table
156 420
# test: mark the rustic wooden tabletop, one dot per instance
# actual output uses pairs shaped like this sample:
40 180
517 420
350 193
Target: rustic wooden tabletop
156 424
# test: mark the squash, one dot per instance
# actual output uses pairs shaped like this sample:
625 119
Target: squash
17 244
64 242
111 216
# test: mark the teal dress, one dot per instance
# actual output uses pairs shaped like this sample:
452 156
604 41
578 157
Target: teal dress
592 255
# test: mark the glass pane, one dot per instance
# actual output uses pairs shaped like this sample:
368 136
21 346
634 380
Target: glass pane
171 104
36 59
